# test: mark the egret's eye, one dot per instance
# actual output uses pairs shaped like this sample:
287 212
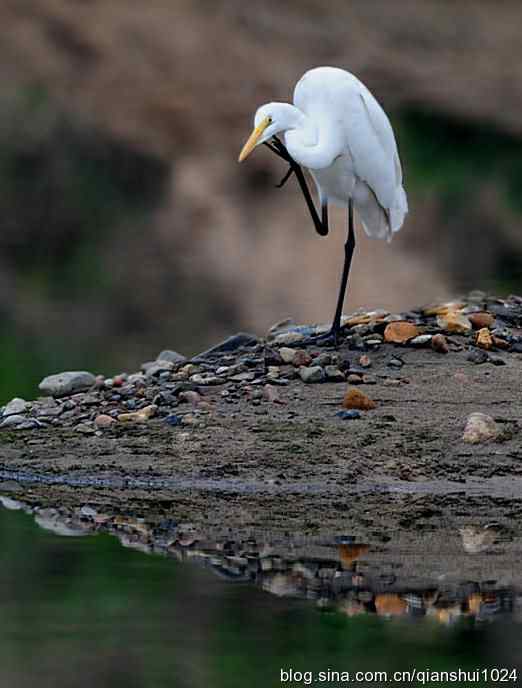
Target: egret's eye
269 120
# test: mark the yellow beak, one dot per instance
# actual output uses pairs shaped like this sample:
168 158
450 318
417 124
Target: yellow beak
253 139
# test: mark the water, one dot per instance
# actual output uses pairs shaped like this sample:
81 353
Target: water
171 608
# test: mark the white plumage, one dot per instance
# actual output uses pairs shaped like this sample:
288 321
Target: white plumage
340 133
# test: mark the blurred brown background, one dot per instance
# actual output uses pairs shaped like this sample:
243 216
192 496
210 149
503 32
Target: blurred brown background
127 224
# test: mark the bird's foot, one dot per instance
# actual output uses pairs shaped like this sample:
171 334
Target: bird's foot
285 178
332 338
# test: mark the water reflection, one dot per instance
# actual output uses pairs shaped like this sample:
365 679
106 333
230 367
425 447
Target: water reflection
341 574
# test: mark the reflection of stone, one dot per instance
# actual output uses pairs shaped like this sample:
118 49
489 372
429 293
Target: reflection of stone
52 520
324 573
390 604
351 608
280 585
349 553
445 615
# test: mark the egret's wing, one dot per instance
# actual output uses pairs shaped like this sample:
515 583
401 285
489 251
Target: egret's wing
374 153
348 114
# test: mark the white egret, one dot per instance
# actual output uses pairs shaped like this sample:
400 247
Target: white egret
337 130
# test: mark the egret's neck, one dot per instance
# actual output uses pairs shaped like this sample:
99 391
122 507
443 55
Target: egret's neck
309 144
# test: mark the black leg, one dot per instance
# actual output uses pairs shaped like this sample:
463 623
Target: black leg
348 254
320 228
320 224
324 215
285 178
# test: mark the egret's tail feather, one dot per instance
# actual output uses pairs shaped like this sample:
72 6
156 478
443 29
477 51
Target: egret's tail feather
377 222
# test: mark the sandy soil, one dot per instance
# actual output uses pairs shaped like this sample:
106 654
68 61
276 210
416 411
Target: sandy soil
298 467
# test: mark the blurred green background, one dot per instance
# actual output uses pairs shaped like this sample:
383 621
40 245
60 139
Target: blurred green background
128 227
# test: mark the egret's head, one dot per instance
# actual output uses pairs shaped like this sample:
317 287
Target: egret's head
270 119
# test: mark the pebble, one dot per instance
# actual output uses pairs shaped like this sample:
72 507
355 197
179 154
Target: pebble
161 399
481 319
173 420
311 374
355 399
136 379
454 322
348 415
500 343
439 343
477 356
288 372
395 362
85 429
172 357
240 377
19 422
287 354
188 370
66 383
400 332
475 540
365 361
190 420
480 428
286 338
324 360
355 379
333 374
281 325
191 396
141 416
357 343
16 406
207 379
233 343
273 372
421 340
104 421
271 393
301 358
49 408
443 308
392 382
484 339
155 368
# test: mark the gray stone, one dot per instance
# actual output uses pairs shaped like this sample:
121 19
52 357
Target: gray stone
333 374
155 368
311 374
19 423
421 340
243 377
323 360
63 384
136 378
287 354
85 428
286 338
477 356
480 428
206 379
16 406
233 343
47 407
172 357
